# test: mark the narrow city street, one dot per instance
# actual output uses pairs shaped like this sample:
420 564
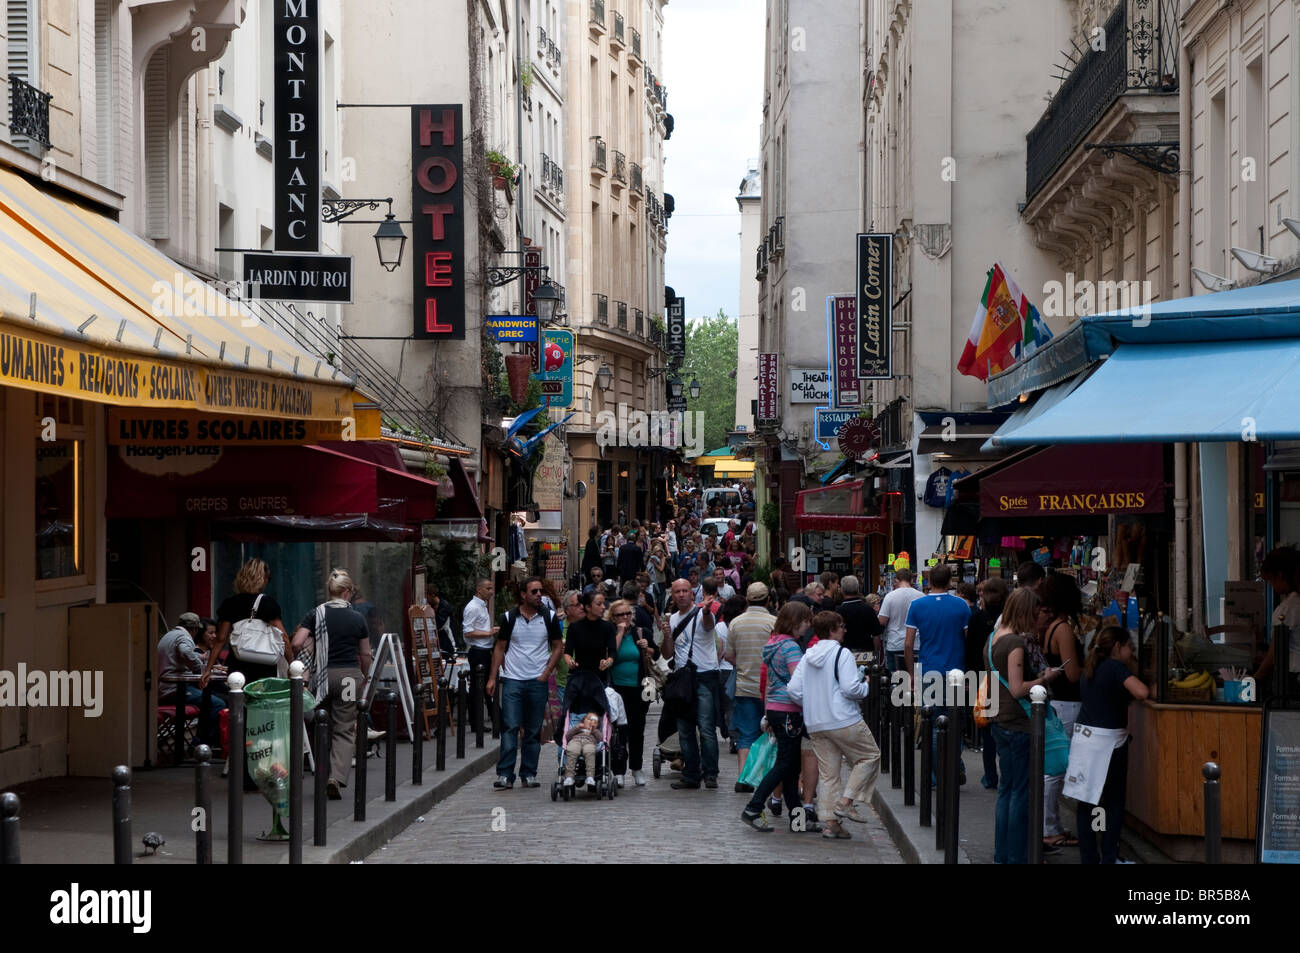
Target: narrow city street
654 824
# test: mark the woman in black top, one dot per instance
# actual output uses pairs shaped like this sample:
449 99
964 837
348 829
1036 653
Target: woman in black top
589 650
1062 603
991 597
591 555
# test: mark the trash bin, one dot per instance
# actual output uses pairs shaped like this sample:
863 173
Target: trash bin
267 721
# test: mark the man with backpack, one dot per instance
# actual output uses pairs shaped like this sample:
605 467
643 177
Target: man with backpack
692 635
528 648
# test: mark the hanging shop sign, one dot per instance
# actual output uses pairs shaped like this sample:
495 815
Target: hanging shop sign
548 481
186 428
556 378
846 389
298 277
512 328
296 81
438 211
810 385
677 331
875 307
533 281
857 436
830 421
769 393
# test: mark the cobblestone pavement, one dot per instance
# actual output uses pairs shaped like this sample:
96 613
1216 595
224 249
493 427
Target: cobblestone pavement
649 824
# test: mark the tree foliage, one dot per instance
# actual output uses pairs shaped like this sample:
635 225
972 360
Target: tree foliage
711 356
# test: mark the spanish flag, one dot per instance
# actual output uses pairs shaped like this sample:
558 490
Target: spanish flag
998 327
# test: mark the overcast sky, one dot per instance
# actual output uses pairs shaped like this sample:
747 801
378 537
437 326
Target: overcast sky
713 65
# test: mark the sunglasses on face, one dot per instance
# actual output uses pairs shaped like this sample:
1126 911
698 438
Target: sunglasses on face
619 615
534 592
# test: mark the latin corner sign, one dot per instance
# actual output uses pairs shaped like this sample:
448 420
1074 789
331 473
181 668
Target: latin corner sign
438 213
875 306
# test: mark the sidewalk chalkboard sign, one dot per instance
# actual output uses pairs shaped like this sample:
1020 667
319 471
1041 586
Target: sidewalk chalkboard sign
1277 829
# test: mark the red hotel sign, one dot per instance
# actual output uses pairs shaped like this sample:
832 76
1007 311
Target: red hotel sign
438 211
769 393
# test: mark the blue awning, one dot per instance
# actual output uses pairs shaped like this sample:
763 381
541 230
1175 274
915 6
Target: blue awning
1171 393
1035 407
1264 312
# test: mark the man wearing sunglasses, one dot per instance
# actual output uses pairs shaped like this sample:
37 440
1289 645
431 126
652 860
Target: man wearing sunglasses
528 648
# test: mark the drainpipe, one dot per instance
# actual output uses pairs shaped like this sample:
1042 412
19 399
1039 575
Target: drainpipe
1181 450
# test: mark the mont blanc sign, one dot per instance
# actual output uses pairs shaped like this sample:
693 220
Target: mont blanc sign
295 79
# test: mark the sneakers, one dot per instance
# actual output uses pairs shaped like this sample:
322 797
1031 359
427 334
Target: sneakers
711 783
774 805
808 827
850 813
756 821
686 785
503 783
619 779
569 782
332 791
530 782
373 736
591 784
744 788
639 778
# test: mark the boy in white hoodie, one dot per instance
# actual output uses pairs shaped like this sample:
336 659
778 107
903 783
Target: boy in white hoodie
829 687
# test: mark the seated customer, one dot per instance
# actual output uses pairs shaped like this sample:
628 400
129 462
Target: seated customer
178 656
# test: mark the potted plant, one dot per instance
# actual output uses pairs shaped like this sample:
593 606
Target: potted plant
502 169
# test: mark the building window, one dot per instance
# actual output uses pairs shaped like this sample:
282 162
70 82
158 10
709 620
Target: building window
60 496
605 493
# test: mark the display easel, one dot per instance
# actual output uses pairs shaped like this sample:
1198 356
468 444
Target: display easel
390 651
426 660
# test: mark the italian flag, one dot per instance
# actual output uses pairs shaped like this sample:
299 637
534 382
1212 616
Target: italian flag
998 327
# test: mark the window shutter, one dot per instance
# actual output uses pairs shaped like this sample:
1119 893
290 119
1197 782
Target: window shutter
156 144
105 78
18 25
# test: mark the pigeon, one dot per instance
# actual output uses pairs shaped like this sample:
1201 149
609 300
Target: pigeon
152 841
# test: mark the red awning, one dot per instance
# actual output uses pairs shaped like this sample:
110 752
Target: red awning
1077 480
838 508
267 481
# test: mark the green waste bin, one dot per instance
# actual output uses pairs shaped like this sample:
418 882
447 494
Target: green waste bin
267 728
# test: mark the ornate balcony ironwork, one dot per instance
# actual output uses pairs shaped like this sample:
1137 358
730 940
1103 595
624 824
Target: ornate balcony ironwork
29 111
553 54
620 167
761 261
602 309
637 178
598 157
1140 56
598 14
638 321
621 311
636 43
543 41
619 29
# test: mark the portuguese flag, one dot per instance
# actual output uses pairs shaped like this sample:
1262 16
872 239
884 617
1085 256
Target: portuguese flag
997 329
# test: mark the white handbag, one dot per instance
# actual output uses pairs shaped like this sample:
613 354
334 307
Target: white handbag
255 641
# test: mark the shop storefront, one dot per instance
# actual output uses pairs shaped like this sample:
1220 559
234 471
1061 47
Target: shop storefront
844 528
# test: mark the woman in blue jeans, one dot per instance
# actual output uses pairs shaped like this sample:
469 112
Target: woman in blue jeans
1008 649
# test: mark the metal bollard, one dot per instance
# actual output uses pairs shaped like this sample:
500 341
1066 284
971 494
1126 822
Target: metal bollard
121 814
440 757
480 703
203 801
927 758
296 731
944 733
359 800
390 748
1213 814
320 812
9 806
235 774
462 712
886 727
882 718
1037 743
417 739
895 744
908 712
951 770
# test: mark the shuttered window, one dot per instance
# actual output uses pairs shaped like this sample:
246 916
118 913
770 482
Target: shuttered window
105 100
20 29
156 146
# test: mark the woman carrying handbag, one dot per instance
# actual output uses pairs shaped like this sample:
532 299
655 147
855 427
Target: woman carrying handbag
634 654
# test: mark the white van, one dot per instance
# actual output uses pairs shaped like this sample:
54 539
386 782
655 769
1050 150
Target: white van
724 496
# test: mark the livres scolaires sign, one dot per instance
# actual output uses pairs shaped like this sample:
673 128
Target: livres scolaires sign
140 427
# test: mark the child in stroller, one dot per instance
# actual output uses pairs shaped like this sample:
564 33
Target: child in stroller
581 742
586 753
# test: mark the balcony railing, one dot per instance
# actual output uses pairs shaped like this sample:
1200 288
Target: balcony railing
619 28
552 178
598 13
636 43
602 309
598 160
553 54
778 233
29 111
543 41
622 315
761 261
636 178
1140 56
620 167
638 321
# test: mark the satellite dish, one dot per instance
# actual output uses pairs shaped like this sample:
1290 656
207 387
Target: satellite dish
580 490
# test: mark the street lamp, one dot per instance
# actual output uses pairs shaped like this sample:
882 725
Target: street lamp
675 388
604 378
390 240
547 300
695 388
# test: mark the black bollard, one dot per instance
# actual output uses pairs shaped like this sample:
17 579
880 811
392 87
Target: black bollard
462 712
1213 814
952 758
886 726
1037 736
440 757
909 750
121 814
320 812
480 703
359 801
390 748
494 705
942 732
296 733
235 774
417 739
927 766
203 801
896 744
9 805
881 718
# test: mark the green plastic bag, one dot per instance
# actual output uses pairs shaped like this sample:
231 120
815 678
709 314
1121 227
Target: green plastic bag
761 758
266 738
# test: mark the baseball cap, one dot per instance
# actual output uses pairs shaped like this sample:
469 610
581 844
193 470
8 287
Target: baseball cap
190 620
757 592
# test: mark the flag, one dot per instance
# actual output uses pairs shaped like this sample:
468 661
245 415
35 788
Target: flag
1036 332
999 325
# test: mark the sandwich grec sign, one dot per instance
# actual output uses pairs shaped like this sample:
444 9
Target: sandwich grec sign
438 214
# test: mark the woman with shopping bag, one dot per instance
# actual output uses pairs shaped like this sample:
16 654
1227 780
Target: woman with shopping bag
1098 771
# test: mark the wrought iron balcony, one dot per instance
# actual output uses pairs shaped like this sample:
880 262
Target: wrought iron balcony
650 82
761 261
1140 56
598 159
29 111
636 43
602 309
598 14
619 29
553 54
543 41
778 231
552 177
638 321
621 310
636 178
620 167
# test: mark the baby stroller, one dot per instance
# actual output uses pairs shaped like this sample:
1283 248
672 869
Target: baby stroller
586 694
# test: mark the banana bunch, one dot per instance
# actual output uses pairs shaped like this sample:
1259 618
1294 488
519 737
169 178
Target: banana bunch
1199 680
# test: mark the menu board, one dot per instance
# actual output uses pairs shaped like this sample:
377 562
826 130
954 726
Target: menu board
1278 825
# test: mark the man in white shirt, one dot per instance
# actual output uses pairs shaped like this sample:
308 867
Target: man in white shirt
725 589
893 618
696 643
478 631
671 534
528 648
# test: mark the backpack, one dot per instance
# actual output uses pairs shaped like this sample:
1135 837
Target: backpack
255 641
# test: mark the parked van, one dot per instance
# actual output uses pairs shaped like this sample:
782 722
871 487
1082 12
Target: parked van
724 496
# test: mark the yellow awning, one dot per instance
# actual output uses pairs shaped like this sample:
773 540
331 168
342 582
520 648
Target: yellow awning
118 322
735 468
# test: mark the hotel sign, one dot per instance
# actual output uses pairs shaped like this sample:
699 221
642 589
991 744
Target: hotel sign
438 210
846 391
296 81
677 331
875 307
